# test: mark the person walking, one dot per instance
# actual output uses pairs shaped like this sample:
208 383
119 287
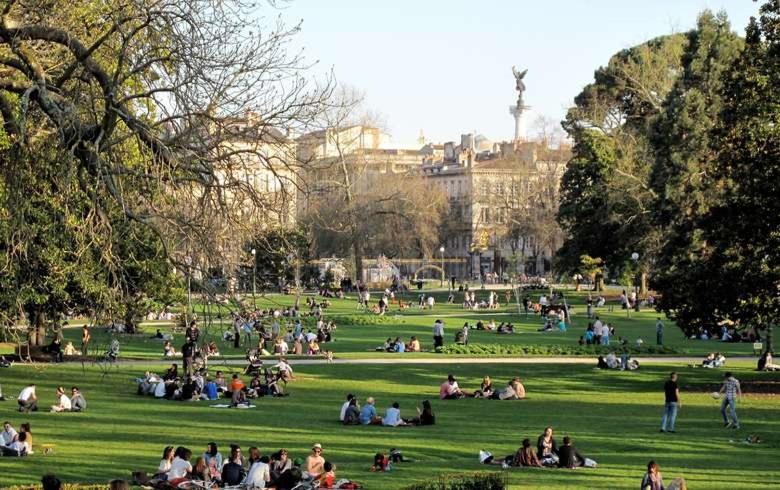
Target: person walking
659 332
86 338
672 403
731 391
438 335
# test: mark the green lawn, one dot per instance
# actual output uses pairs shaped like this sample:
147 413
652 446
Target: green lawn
358 337
612 416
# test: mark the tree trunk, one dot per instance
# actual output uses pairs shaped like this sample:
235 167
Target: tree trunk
599 282
643 285
769 338
358 252
38 329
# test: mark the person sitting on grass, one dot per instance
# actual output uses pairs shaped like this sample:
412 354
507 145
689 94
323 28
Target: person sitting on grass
200 471
765 362
399 346
568 457
63 402
344 406
233 471
368 415
414 345
328 477
237 391
77 401
219 380
546 448
425 415
213 460
485 389
449 390
28 400
8 435
652 479
180 467
169 350
505 328
526 456
165 463
392 416
172 373
352 413
18 448
280 463
314 466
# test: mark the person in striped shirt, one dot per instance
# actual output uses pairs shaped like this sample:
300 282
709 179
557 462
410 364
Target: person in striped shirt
731 392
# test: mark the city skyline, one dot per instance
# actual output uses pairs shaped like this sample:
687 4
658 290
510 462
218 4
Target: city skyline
444 68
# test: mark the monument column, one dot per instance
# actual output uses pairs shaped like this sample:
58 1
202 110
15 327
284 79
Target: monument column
518 109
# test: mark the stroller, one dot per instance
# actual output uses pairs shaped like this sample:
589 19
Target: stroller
255 364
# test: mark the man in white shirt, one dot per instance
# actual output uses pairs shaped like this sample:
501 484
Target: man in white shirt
8 435
259 474
180 466
63 402
28 401
17 448
605 334
343 407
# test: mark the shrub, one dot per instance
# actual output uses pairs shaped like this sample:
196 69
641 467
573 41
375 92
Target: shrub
469 481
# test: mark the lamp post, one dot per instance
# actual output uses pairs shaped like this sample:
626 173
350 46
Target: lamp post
254 278
441 250
635 258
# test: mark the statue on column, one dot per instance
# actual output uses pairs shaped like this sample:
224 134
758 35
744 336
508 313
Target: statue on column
519 85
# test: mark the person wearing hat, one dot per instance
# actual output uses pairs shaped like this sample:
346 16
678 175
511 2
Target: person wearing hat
315 463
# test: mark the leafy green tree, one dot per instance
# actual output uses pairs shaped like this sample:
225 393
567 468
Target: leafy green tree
741 232
683 170
605 191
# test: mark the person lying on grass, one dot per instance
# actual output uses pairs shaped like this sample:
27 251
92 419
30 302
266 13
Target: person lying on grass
525 456
514 390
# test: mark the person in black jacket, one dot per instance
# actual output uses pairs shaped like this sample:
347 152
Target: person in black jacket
568 455
233 472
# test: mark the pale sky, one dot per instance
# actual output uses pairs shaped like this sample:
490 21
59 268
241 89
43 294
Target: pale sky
444 66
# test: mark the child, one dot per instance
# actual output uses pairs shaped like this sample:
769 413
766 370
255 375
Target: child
381 463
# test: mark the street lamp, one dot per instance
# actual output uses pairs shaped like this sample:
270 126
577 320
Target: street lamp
441 283
188 260
635 258
254 278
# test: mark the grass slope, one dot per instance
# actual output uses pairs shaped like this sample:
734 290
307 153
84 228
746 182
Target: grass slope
612 416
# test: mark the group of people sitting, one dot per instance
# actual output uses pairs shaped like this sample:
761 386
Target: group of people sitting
548 453
514 390
611 361
400 346
714 360
28 400
470 301
253 471
200 386
502 328
14 443
353 414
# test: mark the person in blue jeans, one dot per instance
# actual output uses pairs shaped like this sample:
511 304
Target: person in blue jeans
732 392
672 403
